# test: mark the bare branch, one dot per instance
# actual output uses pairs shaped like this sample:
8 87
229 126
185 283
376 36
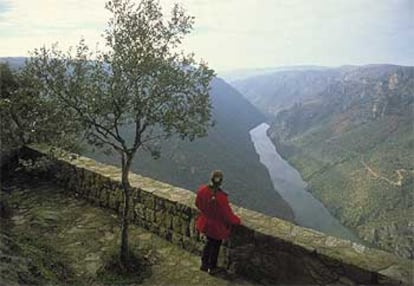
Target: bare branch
149 139
107 142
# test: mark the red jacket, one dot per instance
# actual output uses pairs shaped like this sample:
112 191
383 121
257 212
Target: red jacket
216 215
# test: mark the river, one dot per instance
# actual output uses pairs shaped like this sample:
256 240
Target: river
308 211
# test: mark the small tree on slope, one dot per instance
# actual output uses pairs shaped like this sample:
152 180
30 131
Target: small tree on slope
139 80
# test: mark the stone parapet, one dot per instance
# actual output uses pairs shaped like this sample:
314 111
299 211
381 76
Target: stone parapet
266 249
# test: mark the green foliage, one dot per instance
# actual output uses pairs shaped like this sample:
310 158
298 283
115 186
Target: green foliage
8 82
354 147
29 117
139 78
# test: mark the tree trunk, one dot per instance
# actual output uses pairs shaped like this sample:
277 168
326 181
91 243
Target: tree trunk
124 251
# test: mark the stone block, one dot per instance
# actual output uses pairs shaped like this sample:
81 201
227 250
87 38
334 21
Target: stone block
194 212
184 211
169 235
162 231
284 268
241 235
106 182
185 228
163 219
152 227
360 276
73 184
139 210
136 195
330 262
169 221
177 239
159 204
145 224
104 197
248 269
159 217
346 282
188 244
193 233
99 186
138 221
148 200
94 196
149 215
170 207
131 213
181 225
115 199
319 272
223 258
176 224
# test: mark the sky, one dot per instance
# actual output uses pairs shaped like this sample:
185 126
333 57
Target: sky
236 34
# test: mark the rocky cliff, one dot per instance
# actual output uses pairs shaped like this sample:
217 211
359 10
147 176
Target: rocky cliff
353 143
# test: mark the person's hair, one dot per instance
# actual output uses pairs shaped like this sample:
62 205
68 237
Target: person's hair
216 173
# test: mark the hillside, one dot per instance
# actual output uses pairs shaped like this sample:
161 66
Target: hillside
275 91
352 140
228 147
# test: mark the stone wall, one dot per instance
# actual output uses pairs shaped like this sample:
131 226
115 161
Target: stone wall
266 249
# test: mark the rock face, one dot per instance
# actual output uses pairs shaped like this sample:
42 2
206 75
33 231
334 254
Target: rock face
264 248
353 143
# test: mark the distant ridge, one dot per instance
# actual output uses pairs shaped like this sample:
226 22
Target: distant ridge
280 89
247 73
349 132
14 62
240 74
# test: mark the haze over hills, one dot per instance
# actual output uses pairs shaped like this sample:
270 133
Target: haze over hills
244 74
281 88
350 133
275 91
13 62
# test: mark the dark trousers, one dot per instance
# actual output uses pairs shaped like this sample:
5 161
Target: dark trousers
210 253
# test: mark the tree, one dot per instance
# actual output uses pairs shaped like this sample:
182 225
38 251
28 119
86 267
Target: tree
27 117
139 80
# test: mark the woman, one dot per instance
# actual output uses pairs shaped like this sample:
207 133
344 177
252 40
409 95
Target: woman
214 221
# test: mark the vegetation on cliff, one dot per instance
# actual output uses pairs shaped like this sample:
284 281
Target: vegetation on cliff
353 142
